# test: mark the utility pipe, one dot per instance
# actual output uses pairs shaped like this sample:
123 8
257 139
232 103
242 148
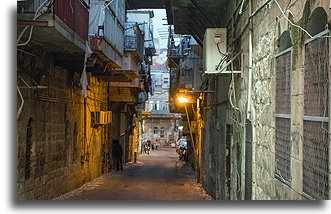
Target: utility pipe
195 151
250 64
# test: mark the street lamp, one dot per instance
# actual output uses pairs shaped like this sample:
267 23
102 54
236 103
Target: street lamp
182 100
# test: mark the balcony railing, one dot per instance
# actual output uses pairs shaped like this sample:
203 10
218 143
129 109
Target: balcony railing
73 13
134 40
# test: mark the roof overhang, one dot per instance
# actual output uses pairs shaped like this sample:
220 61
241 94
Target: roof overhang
194 16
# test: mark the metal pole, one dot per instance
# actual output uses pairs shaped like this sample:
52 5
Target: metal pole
195 151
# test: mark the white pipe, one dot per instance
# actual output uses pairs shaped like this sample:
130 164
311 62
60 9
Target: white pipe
36 15
21 107
250 65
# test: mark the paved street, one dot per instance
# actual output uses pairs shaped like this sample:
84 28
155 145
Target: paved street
158 176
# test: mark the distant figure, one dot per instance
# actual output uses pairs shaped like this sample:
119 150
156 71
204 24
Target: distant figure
117 154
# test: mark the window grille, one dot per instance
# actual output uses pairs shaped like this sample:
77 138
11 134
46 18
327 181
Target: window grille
75 144
316 119
283 148
66 142
248 161
283 116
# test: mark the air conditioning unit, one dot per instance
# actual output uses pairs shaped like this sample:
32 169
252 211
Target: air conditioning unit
105 117
214 46
214 51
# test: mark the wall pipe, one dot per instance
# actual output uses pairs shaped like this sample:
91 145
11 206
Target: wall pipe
250 65
193 144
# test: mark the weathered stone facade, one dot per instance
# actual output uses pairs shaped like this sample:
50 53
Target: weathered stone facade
268 39
161 128
66 150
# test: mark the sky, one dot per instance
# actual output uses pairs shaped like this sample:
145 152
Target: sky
160 14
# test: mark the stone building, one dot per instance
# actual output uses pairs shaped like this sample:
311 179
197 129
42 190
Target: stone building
262 130
81 79
160 126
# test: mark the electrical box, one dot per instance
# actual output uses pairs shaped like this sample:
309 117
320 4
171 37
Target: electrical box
214 49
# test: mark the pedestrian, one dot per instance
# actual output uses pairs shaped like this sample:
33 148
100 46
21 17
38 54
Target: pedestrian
117 154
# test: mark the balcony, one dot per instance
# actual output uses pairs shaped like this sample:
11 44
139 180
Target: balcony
134 40
106 35
127 76
61 26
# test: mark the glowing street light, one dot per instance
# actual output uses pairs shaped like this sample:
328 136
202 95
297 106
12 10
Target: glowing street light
182 99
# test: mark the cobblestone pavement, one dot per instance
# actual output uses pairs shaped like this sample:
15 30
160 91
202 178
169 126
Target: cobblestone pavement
158 176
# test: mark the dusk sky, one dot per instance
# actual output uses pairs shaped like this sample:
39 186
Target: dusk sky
160 14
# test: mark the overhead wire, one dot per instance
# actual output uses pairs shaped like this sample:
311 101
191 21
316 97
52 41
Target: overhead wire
295 25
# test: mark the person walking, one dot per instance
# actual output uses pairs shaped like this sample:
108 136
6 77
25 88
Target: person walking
117 154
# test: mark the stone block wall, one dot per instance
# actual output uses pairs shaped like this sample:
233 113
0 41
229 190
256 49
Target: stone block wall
268 25
62 156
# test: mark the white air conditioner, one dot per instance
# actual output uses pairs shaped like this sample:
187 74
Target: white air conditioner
212 54
214 51
105 117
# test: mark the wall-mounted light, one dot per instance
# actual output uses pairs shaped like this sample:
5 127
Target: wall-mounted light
182 99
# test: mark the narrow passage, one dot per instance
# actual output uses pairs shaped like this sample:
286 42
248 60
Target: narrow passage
158 176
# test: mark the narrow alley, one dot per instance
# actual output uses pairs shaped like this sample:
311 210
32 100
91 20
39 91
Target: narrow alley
240 90
157 176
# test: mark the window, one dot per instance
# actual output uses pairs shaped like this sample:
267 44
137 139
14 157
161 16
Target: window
75 144
162 132
248 160
28 150
283 116
316 119
155 130
95 119
66 142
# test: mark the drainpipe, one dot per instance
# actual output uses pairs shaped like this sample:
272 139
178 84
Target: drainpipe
84 141
197 168
250 63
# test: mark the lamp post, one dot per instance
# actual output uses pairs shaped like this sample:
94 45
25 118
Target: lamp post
185 100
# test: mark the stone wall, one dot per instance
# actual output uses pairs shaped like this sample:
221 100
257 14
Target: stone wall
268 25
62 156
169 129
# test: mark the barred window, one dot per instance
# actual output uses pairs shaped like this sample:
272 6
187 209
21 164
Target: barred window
283 116
248 160
67 142
75 144
316 119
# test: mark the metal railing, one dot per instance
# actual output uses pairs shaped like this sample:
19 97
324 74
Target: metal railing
134 39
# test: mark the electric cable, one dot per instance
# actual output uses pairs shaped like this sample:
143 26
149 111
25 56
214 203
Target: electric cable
295 25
